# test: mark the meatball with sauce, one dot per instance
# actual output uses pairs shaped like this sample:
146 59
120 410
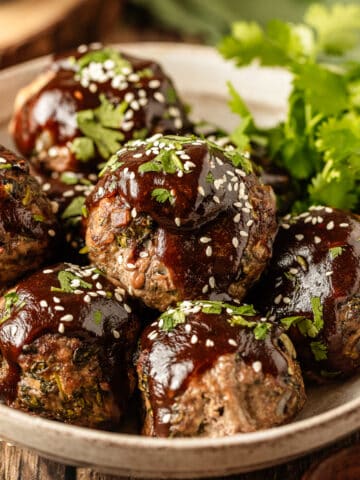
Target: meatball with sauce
28 226
215 369
87 104
176 218
312 287
66 343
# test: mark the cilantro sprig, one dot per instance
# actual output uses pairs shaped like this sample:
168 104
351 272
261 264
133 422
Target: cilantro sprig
319 141
12 300
307 327
69 282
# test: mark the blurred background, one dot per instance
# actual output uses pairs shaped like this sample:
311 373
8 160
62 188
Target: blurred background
29 28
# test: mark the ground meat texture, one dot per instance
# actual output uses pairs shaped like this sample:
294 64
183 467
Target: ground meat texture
211 376
136 99
28 226
172 218
312 287
67 338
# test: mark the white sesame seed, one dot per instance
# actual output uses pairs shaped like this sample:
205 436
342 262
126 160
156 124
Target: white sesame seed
205 289
329 273
67 318
129 97
216 199
43 304
330 225
59 308
343 225
249 223
51 233
285 226
127 308
115 333
178 123
201 190
299 236
205 239
209 343
328 210
194 339
177 221
56 299
294 271
235 242
257 366
278 299
314 220
61 328
134 212
166 418
93 294
154 83
131 266
317 239
102 293
243 233
87 299
208 251
152 335
212 282
159 97
309 219
232 342
287 300
99 285
188 328
237 218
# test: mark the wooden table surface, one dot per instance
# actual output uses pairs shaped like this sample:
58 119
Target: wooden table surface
18 464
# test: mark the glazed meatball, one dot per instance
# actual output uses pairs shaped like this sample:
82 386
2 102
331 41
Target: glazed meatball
312 288
66 340
85 105
214 369
28 226
175 218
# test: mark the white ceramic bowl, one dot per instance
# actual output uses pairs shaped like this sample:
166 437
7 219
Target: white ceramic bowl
331 411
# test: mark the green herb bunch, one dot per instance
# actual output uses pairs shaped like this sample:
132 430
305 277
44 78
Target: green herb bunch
319 141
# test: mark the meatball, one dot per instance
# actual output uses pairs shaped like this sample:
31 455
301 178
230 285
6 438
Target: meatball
28 226
86 104
178 218
312 288
208 368
66 340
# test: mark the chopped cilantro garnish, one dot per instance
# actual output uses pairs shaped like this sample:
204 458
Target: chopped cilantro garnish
171 319
38 218
288 322
111 165
97 316
317 309
70 282
319 350
162 195
166 161
307 327
101 56
74 209
83 148
12 300
101 128
335 252
210 178
69 178
5 166
261 330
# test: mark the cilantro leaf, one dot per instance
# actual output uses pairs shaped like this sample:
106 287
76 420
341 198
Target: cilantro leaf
171 319
261 330
74 209
83 148
319 350
70 282
335 252
12 300
162 195
101 56
317 309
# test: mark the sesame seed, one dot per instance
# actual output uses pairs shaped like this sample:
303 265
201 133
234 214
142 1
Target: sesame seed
314 220
278 299
177 221
209 343
287 300
294 271
330 225
152 335
235 242
59 308
116 334
87 298
188 328
328 274
166 418
208 251
154 83
201 190
257 366
127 308
46 187
99 285
343 225
51 233
159 97
212 282
243 233
129 97
216 199
194 339
143 254
328 210
178 123
61 328
131 266
317 239
286 226
56 299
67 318
237 218
43 304
249 223
205 289
232 342
102 293
299 236
205 239
134 212
308 220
